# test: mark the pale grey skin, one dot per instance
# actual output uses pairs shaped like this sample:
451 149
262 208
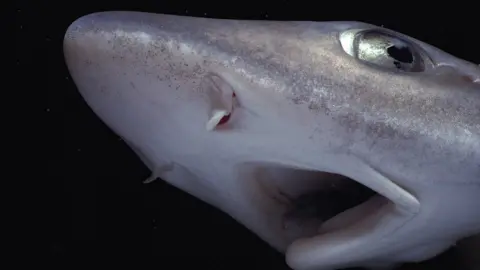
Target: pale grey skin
302 101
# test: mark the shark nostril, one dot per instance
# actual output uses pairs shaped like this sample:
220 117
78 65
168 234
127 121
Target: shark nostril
224 119
221 100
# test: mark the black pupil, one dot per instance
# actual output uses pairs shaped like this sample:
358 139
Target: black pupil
401 54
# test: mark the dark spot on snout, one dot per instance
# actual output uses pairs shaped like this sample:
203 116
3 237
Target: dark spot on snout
313 106
379 130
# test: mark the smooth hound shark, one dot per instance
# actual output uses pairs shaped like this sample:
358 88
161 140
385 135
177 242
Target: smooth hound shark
263 119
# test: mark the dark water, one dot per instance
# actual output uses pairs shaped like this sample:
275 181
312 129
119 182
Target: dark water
95 202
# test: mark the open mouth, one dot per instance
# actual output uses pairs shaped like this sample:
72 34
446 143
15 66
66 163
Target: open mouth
307 203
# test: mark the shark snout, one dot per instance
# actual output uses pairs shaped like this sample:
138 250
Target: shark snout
123 67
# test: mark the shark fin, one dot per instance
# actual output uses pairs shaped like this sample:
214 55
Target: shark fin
157 172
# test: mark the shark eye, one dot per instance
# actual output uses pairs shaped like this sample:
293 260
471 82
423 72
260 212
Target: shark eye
383 49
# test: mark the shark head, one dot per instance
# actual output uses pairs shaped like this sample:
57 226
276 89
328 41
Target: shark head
339 143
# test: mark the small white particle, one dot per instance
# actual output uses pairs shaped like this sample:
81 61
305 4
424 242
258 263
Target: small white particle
78 149
47 109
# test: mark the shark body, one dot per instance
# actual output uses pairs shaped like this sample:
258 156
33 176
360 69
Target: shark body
247 115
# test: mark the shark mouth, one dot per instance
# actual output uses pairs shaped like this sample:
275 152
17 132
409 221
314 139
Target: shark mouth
308 212
309 208
308 202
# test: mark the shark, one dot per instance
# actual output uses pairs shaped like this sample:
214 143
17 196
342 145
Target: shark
340 143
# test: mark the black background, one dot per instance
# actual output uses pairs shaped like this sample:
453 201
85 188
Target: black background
96 202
